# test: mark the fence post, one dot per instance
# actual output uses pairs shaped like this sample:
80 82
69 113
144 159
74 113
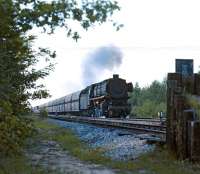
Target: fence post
188 116
194 140
197 84
174 83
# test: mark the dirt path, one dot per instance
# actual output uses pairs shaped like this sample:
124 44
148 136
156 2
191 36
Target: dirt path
49 155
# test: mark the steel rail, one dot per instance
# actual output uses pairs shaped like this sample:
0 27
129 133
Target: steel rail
144 126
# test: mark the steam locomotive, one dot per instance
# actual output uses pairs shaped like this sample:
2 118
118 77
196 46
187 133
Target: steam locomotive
108 98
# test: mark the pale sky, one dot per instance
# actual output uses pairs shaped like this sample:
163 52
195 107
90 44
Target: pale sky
155 33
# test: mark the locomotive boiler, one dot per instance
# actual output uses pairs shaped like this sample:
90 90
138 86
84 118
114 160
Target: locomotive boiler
107 98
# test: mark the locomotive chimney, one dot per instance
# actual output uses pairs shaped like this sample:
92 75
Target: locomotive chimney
115 76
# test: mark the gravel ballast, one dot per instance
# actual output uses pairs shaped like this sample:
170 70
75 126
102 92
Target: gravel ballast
118 144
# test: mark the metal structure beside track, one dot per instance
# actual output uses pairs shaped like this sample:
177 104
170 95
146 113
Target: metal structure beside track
139 125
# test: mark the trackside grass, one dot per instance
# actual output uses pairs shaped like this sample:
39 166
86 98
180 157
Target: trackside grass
18 165
157 162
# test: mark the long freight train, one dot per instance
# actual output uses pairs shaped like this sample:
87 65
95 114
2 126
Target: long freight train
108 98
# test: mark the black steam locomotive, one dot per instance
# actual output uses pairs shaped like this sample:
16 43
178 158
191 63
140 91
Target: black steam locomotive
108 98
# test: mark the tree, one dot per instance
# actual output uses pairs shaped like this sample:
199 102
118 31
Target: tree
148 101
49 15
135 95
17 58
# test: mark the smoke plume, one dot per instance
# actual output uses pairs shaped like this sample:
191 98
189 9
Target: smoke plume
97 62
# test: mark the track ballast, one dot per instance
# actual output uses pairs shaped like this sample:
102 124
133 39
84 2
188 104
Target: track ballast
142 125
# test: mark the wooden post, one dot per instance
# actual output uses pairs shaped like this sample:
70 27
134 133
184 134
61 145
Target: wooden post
188 116
174 83
194 141
183 133
197 84
179 125
188 84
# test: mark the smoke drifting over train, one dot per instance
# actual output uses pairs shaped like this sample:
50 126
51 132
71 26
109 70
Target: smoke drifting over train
97 62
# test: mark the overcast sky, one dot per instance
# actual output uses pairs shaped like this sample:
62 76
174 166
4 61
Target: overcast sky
155 32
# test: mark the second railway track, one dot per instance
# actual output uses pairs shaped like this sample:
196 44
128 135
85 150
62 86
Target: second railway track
139 125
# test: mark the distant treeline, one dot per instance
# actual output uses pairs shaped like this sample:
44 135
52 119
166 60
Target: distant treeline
148 101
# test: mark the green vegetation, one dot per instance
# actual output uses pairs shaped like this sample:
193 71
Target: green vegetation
148 101
18 74
43 113
13 131
193 101
157 162
19 165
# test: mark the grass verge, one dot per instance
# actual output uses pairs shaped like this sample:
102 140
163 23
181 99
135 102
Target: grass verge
18 165
157 162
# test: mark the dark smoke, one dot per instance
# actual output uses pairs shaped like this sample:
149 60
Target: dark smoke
102 59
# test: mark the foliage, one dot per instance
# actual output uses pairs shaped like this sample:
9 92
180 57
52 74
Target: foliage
148 101
149 108
19 165
43 113
193 101
13 131
51 14
17 57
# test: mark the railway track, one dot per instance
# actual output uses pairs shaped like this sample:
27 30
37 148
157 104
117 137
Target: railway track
148 126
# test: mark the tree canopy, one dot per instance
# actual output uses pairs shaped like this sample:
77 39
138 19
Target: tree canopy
18 75
148 101
26 14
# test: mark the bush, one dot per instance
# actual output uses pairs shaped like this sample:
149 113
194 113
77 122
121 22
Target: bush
148 101
148 109
43 113
13 131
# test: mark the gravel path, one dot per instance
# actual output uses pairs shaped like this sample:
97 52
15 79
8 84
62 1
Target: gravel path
50 156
